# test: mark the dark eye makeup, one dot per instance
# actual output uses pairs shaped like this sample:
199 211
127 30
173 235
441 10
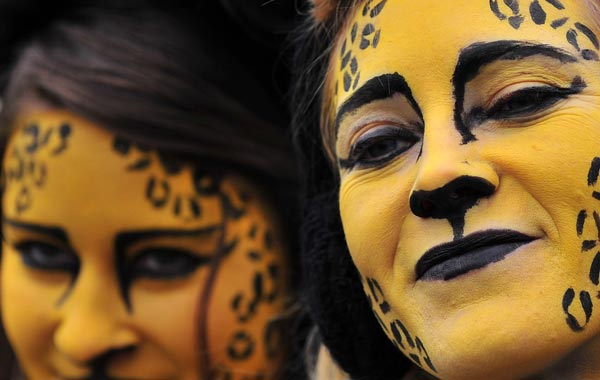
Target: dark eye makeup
165 263
45 256
378 147
154 263
527 102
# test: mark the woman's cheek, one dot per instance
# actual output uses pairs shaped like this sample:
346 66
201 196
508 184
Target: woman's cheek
28 306
166 311
373 209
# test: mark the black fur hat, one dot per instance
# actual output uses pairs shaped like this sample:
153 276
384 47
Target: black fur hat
332 286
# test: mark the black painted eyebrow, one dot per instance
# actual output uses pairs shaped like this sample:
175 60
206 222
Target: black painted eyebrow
475 56
124 240
478 55
51 231
377 88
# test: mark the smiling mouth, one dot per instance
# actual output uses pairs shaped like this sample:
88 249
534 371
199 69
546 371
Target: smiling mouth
449 260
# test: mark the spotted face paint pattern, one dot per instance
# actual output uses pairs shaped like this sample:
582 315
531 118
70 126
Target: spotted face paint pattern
264 290
159 191
363 35
26 164
578 305
409 345
553 14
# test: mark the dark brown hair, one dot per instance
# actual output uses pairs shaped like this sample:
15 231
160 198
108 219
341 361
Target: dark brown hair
160 80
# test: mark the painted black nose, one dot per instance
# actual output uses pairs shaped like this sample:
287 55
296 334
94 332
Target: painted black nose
451 200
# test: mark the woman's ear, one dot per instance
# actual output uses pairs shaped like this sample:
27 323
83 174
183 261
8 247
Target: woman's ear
323 9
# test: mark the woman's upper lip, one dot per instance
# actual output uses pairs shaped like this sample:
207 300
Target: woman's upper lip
467 244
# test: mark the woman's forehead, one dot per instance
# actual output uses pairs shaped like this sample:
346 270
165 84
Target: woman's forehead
427 43
61 168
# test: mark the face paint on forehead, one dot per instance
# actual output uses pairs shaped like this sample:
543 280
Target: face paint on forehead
159 190
34 143
362 36
577 34
553 14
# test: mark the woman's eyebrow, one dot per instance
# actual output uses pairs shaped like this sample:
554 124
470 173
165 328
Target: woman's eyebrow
51 231
480 54
124 240
377 88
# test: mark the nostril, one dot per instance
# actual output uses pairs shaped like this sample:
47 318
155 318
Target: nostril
452 199
105 357
464 192
426 206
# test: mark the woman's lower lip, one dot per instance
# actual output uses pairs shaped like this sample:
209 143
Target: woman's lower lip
475 259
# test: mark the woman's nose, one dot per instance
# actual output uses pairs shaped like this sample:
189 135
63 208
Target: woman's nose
452 199
94 324
452 179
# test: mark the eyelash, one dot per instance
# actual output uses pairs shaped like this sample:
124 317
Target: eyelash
528 101
44 256
147 264
361 156
179 263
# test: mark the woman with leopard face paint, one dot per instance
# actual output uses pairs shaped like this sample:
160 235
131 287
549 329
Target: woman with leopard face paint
452 223
145 198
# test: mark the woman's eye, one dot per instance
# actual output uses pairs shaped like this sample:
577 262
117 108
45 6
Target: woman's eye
47 257
527 102
166 263
379 147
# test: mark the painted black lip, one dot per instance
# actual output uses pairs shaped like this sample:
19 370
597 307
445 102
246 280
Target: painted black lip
449 260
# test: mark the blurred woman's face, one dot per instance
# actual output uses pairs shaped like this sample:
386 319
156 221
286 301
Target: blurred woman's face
119 263
467 135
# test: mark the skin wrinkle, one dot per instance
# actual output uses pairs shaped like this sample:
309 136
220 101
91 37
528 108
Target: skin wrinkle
555 231
391 263
514 74
516 174
477 56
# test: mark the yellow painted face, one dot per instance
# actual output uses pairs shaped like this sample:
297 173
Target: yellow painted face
467 136
118 262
